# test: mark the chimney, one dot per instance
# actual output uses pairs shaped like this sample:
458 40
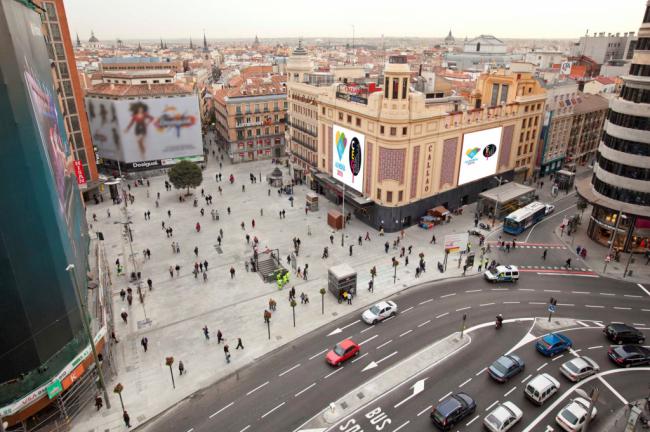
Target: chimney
631 34
618 34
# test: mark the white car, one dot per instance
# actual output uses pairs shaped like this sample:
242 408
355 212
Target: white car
572 417
579 368
549 209
503 417
379 312
507 273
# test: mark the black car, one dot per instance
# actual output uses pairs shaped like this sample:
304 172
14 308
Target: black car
505 367
629 355
623 333
452 410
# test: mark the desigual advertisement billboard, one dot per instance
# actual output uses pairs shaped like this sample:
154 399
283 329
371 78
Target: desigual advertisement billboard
348 150
479 155
143 131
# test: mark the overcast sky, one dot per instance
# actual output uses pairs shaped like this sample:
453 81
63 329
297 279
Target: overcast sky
151 19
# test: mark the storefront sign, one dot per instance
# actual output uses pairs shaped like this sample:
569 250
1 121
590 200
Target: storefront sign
79 172
54 389
427 169
74 376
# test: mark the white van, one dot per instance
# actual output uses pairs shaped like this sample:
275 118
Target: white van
541 388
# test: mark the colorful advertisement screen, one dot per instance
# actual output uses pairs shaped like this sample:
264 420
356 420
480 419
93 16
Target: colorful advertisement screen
145 129
479 155
348 150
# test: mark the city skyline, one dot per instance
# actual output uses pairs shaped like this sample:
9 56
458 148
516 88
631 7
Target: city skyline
293 18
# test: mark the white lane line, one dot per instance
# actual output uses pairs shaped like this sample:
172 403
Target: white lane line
443 314
509 391
551 290
486 304
332 373
526 379
406 332
406 310
638 324
426 301
256 388
317 354
566 304
448 295
359 358
579 292
511 302
384 344
472 421
440 400
643 288
608 294
387 357
462 309
190 430
269 412
366 329
464 382
368 340
557 357
304 390
622 308
245 429
351 324
402 425
537 303
493 403
645 310
584 324
481 371
425 410
389 318
499 289
632 296
613 390
424 323
595 347
595 306
289 370
227 406
525 289
541 366
472 291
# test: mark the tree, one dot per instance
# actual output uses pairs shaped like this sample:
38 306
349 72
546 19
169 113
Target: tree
185 174
581 205
118 389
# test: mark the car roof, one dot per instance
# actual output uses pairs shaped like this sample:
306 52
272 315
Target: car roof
347 343
382 304
580 362
553 338
543 380
502 413
507 360
621 327
507 268
448 405
625 350
578 406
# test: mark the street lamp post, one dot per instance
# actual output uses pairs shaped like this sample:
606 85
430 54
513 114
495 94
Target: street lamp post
84 313
169 361
135 269
395 264
343 211
322 300
293 309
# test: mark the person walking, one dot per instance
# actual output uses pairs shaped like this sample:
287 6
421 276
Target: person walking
360 240
206 332
349 298
150 284
371 286
567 264
386 247
433 239
232 272
127 419
124 316
544 254
181 367
367 238
239 344
331 238
171 272
145 343
219 336
350 250
205 265
205 277
178 270
253 223
226 351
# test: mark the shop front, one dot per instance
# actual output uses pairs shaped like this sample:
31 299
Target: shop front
632 234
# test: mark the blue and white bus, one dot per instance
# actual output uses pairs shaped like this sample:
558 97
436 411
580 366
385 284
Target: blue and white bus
520 220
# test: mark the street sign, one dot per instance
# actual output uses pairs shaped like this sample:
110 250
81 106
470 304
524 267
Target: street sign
54 389
552 308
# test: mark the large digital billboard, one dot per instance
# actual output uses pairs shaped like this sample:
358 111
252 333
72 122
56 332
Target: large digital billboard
143 130
348 150
479 155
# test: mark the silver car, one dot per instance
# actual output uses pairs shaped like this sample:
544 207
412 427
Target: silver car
379 312
503 417
579 368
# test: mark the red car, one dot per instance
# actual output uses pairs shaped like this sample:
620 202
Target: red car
341 352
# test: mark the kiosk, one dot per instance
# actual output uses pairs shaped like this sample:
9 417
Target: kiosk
342 278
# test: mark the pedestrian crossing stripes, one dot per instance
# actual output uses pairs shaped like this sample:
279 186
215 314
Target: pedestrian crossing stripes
531 246
534 267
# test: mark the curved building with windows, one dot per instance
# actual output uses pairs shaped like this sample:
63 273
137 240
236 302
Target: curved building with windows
620 186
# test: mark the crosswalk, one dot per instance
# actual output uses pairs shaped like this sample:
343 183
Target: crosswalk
534 267
531 246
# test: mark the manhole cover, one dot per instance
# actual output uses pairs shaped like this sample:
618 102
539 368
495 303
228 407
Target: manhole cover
344 405
360 395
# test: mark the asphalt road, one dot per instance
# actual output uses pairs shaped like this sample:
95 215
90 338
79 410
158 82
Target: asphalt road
282 390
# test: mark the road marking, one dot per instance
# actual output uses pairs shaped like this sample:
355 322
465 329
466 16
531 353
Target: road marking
566 304
551 290
402 425
426 301
645 310
359 358
499 289
579 292
481 371
406 310
643 288
406 332
622 308
418 387
256 389
638 324
227 406
425 410
595 347
537 303
289 370
441 315
510 391
511 302
368 340
608 294
440 400
387 357
473 291
541 366
424 323
525 289
526 379
583 323
304 390
448 295
269 412
389 318
190 430
365 330
558 357
245 429
471 421
486 304
612 389
462 309
317 354
632 296
465 382
595 306
332 373
384 344
493 403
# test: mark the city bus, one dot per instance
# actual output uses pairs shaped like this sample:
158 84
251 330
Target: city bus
520 220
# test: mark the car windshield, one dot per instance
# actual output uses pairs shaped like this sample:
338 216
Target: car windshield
493 421
572 367
500 366
338 350
569 416
374 310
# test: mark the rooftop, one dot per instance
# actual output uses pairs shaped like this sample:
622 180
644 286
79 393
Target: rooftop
127 90
590 102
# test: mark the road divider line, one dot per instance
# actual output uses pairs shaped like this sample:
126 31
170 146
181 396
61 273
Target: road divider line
481 371
491 405
190 430
613 390
462 309
389 318
246 428
643 288
317 354
472 421
566 304
289 370
440 400
511 302
557 357
595 306
526 379
426 301
425 410
541 366
366 329
499 289
256 389
638 324
304 390
332 373
384 344
406 332
579 292
595 347
551 290
359 358
608 294
368 340
525 289
448 295
473 291
510 391
222 409
485 304
387 357
536 303
273 409
402 425
406 310
464 382
443 314
632 296
622 308
424 323
351 324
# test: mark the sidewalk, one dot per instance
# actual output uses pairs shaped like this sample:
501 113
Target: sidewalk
179 307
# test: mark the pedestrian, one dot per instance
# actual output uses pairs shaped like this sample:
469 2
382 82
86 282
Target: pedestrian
171 272
219 336
226 351
239 344
433 239
169 213
269 192
122 294
350 250
253 223
129 298
196 251
406 261
181 368
514 243
243 188
205 277
332 238
544 254
578 249
178 270
145 343
205 265
150 284
108 212
386 247
228 210
410 249
371 285
360 240
367 236
201 267
261 212
232 272
124 316
246 265
349 298
243 226
206 332
508 247
417 272
127 419
98 402
568 263
480 265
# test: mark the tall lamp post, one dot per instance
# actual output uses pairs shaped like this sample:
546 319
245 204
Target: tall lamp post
135 269
84 314
343 210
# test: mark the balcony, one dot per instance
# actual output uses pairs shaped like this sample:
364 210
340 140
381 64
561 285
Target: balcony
313 148
304 159
302 129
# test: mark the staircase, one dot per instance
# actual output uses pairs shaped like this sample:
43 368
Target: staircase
266 267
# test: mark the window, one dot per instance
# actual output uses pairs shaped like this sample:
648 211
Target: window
519 151
58 49
323 111
378 193
341 116
51 11
626 146
72 107
495 94
504 93
386 88
240 134
266 107
405 130
389 196
404 87
395 87
257 108
381 129
249 133
63 69
393 131
258 132
55 32
349 118
521 137
400 196
526 108
358 121
629 121
536 120
523 124
238 109
277 129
